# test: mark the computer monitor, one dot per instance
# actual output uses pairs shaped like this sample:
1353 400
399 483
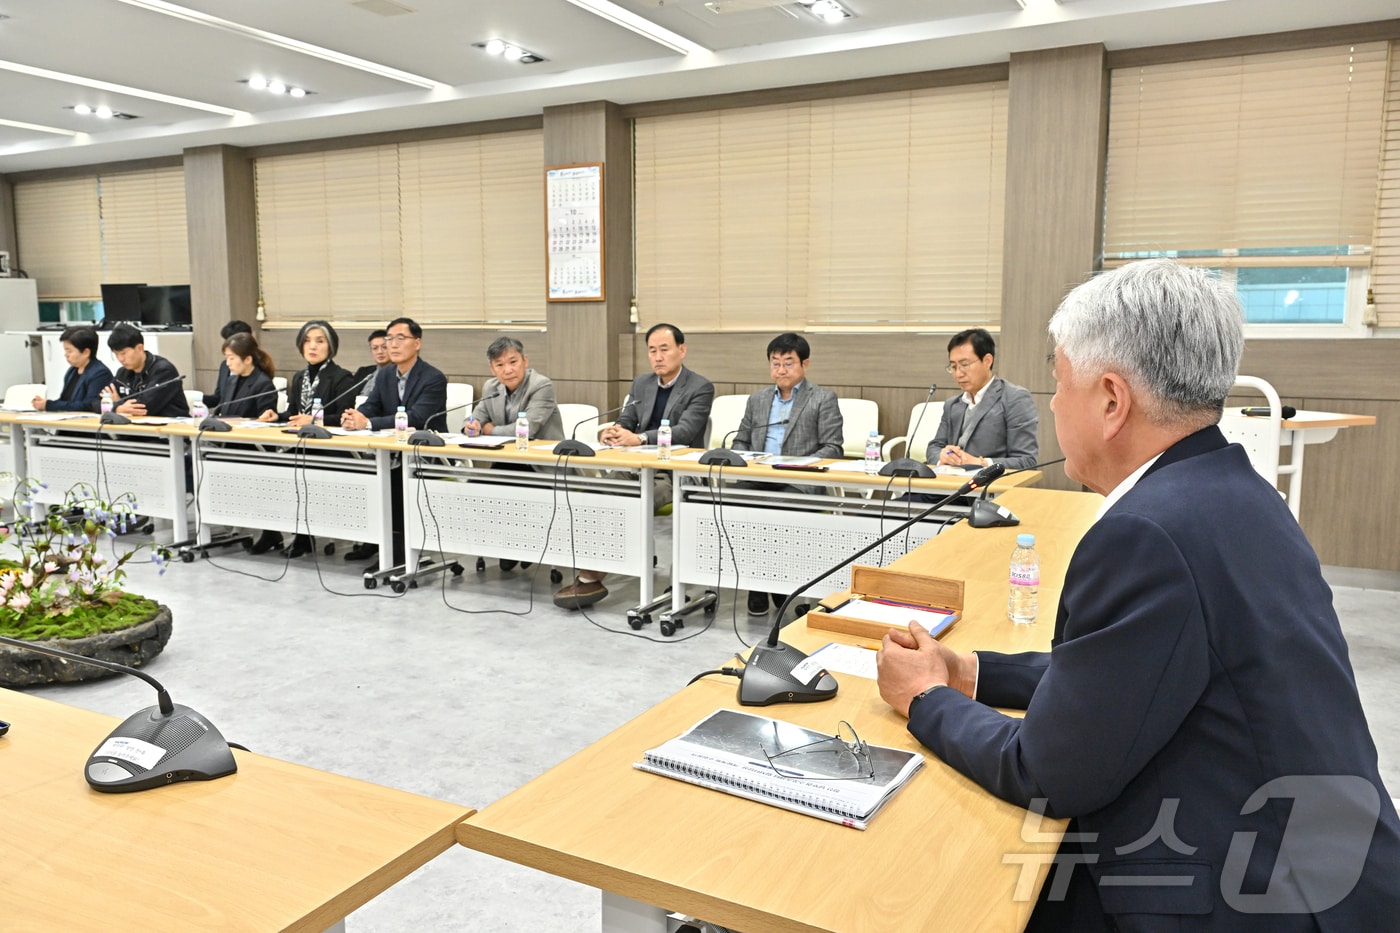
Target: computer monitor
121 303
165 305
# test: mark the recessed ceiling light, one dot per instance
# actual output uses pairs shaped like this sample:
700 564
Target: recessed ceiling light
84 109
297 91
102 112
257 83
828 11
277 87
509 51
274 86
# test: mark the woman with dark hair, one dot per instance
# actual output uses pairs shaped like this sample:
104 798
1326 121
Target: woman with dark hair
87 376
248 385
322 379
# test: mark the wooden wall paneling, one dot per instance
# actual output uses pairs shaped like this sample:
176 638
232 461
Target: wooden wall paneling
595 132
1351 497
221 216
899 360
1327 369
8 238
1057 131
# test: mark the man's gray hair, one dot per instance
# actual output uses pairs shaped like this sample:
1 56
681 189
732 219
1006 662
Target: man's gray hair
501 345
1174 332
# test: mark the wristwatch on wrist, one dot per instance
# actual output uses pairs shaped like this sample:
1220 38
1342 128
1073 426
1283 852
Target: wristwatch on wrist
922 695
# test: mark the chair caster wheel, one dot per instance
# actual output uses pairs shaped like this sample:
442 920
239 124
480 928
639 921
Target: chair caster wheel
667 628
457 569
329 549
398 586
555 576
481 565
187 557
371 583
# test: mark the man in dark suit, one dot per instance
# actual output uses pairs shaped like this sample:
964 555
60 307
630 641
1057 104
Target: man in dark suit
992 420
795 418
379 352
412 382
421 389
670 391
1196 717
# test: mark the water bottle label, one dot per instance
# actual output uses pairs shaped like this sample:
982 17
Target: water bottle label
1025 575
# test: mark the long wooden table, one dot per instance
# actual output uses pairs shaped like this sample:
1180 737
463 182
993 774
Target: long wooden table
942 855
277 846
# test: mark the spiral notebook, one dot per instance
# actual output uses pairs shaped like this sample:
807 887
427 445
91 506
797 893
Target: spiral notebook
809 771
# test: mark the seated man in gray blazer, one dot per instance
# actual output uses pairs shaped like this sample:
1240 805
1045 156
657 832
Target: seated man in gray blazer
514 387
992 421
669 391
808 420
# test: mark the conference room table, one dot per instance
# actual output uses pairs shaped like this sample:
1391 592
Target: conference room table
141 460
276 846
1306 428
942 854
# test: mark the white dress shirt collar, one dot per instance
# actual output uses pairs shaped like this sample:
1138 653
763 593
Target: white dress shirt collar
1123 488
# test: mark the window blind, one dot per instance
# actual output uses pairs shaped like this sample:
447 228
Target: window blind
1248 160
1385 267
445 231
144 234
881 212
59 233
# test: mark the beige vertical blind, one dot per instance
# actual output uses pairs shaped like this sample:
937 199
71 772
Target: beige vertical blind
144 234
881 212
447 231
1385 267
1254 159
58 228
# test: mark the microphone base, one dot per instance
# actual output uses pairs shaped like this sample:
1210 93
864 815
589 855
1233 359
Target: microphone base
907 466
214 424
768 678
204 759
425 439
313 431
722 456
113 417
573 448
987 514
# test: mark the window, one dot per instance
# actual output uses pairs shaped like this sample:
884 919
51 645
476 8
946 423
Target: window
875 213
1261 166
445 231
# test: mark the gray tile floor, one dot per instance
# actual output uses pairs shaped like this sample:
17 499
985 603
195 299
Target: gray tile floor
467 705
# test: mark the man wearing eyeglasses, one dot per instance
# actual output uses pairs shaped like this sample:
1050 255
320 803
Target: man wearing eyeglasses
992 421
412 382
795 418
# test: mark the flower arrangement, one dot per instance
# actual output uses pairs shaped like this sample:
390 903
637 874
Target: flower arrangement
60 585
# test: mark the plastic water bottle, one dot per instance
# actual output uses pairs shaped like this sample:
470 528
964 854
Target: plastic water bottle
318 414
872 453
663 440
401 425
199 411
522 432
1023 603
106 406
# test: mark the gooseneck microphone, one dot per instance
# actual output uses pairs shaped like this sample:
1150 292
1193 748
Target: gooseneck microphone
113 417
1286 411
576 448
907 465
210 423
726 457
987 514
423 437
163 744
318 431
771 674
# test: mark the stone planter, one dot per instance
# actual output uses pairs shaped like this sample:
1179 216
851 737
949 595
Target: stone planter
133 646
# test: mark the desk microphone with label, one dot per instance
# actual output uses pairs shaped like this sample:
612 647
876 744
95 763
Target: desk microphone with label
577 448
987 514
210 423
113 417
726 457
907 465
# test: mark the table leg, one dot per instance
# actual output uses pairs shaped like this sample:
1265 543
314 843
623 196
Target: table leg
648 494
624 915
677 591
17 441
1295 475
179 514
383 464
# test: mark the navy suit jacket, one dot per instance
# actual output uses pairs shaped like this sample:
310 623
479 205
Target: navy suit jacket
1196 658
86 389
424 395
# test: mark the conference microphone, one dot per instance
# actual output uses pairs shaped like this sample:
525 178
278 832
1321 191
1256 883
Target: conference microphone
210 423
113 417
726 457
987 514
577 448
318 431
907 465
163 744
775 672
1287 411
426 438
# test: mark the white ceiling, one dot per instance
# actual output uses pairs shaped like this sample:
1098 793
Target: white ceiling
747 44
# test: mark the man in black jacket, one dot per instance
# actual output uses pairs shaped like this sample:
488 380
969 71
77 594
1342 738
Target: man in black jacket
139 371
412 382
